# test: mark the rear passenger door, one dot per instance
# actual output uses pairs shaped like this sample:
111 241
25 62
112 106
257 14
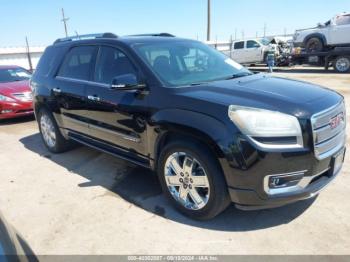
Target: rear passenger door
69 88
116 116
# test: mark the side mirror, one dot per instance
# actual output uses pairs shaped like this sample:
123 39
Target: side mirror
126 82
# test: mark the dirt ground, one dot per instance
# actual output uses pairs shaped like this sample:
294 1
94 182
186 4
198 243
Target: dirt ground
87 202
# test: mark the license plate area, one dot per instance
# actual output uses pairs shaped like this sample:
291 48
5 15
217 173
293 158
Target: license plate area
337 161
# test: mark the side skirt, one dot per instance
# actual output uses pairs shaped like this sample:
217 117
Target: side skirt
110 149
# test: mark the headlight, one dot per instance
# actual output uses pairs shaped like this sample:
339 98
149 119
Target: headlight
6 98
268 129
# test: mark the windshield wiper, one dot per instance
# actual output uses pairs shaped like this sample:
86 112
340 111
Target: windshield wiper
238 75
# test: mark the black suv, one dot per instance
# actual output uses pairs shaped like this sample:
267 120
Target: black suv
213 131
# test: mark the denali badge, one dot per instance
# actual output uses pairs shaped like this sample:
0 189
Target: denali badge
335 121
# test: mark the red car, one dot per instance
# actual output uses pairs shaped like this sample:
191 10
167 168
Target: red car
15 93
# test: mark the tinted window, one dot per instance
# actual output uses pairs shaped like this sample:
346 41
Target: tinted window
111 62
47 61
239 45
78 63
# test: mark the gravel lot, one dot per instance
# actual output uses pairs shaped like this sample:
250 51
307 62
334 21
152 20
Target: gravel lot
87 202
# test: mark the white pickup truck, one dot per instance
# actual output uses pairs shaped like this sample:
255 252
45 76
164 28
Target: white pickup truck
251 51
334 33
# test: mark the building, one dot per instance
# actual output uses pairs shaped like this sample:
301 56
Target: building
18 56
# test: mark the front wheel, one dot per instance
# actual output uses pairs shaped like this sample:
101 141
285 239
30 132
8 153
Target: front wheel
342 64
192 180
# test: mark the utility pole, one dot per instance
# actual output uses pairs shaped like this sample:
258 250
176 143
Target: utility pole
285 32
208 20
235 34
265 30
64 20
28 56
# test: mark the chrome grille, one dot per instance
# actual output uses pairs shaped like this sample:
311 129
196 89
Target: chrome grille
329 139
24 97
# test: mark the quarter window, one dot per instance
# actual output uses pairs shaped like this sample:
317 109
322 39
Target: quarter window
239 45
78 63
111 63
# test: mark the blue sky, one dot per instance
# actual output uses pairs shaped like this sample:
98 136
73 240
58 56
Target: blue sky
40 19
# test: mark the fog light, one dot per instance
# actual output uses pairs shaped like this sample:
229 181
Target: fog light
280 181
6 111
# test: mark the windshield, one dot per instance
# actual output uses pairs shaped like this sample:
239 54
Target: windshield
188 62
13 74
265 41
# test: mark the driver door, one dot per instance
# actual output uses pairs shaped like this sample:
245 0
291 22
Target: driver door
253 51
340 30
116 116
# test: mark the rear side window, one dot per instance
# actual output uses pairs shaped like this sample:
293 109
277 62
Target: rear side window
239 45
78 63
47 60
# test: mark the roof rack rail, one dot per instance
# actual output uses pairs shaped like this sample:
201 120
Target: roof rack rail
156 34
87 36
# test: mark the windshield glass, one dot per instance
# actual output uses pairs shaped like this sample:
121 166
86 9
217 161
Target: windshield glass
188 62
265 41
13 74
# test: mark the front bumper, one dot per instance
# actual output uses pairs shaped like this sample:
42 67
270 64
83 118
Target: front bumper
15 109
247 188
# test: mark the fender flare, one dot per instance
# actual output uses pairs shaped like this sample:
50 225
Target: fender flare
320 36
207 129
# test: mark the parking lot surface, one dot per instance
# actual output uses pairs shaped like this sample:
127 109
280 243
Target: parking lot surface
87 202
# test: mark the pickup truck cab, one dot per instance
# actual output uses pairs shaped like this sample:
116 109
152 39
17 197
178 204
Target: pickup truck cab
251 51
212 131
335 32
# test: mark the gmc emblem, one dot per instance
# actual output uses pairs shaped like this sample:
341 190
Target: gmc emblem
335 121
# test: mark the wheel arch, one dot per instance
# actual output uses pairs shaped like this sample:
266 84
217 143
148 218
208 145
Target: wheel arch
320 36
191 126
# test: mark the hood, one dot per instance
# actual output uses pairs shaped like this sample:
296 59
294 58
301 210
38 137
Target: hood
9 88
262 91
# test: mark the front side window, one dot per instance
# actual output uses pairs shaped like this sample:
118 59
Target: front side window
78 63
239 45
111 63
343 20
252 44
179 63
14 74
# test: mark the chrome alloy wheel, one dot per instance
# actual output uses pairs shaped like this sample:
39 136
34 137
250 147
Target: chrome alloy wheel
187 181
47 130
343 64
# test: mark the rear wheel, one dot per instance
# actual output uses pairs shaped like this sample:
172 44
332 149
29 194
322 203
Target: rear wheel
192 180
314 45
342 64
50 133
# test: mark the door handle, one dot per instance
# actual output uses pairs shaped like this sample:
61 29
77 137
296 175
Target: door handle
94 98
56 90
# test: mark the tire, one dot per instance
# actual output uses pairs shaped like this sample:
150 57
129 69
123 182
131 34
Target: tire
314 45
50 133
206 173
342 64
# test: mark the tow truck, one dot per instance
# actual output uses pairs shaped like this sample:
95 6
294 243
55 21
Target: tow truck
338 58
